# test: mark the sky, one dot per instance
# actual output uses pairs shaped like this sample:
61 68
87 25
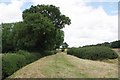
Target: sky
92 21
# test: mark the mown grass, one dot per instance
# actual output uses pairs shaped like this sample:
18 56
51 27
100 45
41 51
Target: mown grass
62 65
61 68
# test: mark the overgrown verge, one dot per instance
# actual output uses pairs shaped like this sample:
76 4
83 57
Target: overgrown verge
11 62
93 53
47 53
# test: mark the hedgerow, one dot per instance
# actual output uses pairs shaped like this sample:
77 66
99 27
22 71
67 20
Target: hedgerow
93 53
11 62
47 53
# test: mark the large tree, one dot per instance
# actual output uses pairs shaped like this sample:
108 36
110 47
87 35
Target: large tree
36 32
50 11
7 38
41 29
55 16
59 38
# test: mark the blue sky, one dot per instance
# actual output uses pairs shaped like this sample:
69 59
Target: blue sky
26 5
110 7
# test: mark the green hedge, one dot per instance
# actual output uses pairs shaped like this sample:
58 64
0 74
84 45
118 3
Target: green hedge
47 53
93 53
11 62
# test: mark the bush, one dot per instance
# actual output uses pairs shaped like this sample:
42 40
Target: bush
47 53
93 53
29 56
14 61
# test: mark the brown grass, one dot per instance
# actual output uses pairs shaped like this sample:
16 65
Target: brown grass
65 66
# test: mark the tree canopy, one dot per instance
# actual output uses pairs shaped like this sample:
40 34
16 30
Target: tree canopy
40 30
7 40
52 12
35 33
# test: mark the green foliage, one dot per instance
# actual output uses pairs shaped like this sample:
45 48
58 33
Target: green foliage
36 33
7 38
40 30
115 44
47 53
52 12
107 44
56 18
59 38
93 53
11 62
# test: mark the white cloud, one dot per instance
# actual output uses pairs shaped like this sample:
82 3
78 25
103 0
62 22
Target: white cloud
11 12
89 25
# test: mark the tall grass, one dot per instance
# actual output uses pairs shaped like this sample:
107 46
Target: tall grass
11 62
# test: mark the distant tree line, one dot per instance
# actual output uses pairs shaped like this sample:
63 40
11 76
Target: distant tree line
114 44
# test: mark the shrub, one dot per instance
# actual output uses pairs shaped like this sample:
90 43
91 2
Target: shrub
14 61
11 62
47 53
93 53
29 56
